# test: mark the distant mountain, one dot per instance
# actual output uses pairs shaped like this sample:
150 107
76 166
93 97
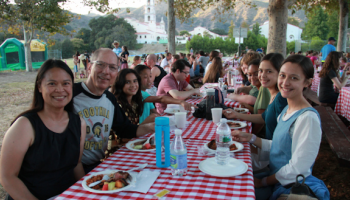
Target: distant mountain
203 18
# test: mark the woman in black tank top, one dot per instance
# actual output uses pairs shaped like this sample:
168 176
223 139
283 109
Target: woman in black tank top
41 151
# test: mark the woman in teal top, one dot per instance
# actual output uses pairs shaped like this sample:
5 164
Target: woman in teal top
149 112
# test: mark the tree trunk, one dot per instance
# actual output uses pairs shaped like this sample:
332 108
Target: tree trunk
343 25
278 18
171 27
27 52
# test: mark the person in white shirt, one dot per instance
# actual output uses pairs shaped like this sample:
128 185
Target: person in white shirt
297 137
166 62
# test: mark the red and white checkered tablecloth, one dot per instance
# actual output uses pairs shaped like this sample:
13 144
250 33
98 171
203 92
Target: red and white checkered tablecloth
343 104
195 185
315 83
231 104
212 85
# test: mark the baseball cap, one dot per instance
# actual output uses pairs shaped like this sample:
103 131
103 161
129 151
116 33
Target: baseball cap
332 38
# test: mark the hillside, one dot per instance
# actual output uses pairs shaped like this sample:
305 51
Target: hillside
204 18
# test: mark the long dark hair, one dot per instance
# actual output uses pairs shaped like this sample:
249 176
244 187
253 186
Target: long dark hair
331 62
276 60
214 69
38 101
117 90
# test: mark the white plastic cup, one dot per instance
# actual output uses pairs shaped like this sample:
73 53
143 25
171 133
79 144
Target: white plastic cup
180 119
216 114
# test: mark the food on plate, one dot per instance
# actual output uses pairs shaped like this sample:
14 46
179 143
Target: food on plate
233 124
116 181
140 146
212 145
243 111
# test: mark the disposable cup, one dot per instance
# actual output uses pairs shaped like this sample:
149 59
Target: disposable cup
180 119
216 114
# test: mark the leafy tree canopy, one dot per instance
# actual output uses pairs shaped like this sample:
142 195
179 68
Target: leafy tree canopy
256 29
316 25
104 30
230 29
244 25
293 21
219 31
184 32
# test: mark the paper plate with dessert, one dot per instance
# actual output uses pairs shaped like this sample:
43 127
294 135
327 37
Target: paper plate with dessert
108 181
236 124
234 147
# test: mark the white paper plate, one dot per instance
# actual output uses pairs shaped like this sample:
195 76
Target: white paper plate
233 168
238 145
243 124
242 109
107 172
130 146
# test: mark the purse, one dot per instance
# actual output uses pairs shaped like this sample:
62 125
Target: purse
299 191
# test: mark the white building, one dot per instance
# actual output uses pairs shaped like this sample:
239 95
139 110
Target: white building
200 31
293 32
149 31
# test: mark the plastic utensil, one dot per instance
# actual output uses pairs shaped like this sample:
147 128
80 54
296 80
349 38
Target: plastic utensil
139 167
147 141
105 177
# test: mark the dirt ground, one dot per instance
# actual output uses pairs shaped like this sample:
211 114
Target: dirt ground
16 90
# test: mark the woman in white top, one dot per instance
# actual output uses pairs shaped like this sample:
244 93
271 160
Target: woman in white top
297 137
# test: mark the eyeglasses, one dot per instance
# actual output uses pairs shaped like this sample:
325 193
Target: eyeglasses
186 73
102 65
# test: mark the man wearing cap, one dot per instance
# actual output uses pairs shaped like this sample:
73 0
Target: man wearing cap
326 49
117 50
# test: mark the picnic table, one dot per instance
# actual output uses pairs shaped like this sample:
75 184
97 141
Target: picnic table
195 185
343 104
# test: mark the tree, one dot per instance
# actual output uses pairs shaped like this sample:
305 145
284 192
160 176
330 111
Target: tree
31 15
333 24
84 34
184 32
256 29
171 27
67 48
206 34
331 5
317 44
244 25
293 21
104 30
230 30
219 31
78 45
316 25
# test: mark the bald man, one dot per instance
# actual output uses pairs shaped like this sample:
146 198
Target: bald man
157 72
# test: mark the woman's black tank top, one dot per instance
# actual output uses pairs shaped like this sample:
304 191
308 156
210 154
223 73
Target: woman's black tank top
47 168
159 78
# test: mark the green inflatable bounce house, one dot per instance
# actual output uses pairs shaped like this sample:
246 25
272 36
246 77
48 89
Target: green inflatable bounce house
12 56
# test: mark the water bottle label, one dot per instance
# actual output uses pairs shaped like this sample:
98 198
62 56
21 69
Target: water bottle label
178 161
225 138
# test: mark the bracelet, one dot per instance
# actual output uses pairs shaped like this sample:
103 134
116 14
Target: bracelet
252 140
263 181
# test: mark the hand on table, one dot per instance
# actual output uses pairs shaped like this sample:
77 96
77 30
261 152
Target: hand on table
230 113
244 105
240 136
197 91
244 89
187 106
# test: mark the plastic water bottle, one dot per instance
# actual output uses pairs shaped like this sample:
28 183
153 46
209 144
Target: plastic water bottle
223 142
178 155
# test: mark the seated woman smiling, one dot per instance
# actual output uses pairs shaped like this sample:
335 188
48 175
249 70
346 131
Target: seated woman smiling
253 71
41 152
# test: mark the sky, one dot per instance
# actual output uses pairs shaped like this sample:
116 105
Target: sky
79 8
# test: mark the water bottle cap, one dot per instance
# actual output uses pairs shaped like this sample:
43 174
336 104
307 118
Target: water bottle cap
223 120
161 121
178 132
